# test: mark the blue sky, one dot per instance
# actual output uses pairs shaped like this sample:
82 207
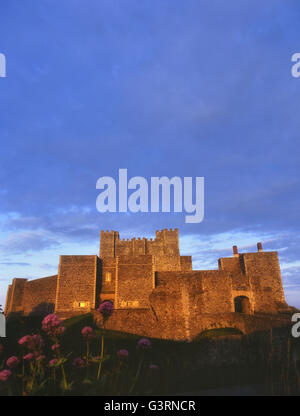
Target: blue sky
160 87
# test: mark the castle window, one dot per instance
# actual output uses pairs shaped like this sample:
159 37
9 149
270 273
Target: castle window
82 304
241 304
108 277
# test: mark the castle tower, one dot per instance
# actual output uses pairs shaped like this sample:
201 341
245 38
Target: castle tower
108 243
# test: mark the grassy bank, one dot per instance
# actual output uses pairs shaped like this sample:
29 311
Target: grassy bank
215 359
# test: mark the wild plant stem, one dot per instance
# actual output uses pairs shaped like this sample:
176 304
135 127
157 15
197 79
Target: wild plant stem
101 357
136 376
87 358
62 370
23 374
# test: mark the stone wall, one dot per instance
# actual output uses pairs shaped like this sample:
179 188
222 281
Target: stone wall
17 293
39 295
186 263
265 280
8 299
135 281
25 296
76 285
164 325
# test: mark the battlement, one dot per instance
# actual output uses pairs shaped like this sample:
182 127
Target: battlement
167 233
164 247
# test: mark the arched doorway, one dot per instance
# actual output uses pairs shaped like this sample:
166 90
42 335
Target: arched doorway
242 304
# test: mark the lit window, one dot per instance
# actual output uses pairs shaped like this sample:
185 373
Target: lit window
83 304
107 276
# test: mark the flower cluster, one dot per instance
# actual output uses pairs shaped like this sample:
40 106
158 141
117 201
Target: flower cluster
12 361
123 353
4 375
32 368
37 342
78 362
25 341
33 343
53 362
106 309
144 344
55 347
51 325
28 357
87 333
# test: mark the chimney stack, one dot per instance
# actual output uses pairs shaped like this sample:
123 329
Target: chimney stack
235 251
259 247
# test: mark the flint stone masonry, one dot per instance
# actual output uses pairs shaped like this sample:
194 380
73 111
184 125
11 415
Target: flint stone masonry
40 289
155 290
76 285
24 296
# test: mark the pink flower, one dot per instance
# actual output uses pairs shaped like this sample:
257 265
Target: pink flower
40 358
4 375
60 330
12 361
106 309
24 340
87 332
78 362
51 320
55 347
37 341
51 324
144 344
28 357
53 362
122 353
31 342
153 367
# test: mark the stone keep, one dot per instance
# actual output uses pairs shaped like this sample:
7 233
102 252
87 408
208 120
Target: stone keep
155 290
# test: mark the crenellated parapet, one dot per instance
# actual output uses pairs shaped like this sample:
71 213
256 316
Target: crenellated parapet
164 247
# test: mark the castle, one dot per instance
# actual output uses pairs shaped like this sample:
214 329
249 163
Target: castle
155 290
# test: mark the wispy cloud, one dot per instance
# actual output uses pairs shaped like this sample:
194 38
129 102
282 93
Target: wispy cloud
29 241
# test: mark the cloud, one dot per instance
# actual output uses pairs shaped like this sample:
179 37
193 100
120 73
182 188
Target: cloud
47 266
23 242
15 264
